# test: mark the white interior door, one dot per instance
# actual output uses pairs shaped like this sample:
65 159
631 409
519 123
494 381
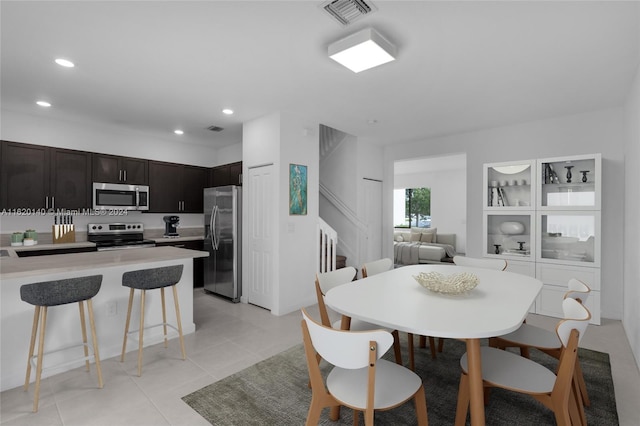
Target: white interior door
373 218
261 226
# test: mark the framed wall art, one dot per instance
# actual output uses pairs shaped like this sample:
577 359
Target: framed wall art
297 189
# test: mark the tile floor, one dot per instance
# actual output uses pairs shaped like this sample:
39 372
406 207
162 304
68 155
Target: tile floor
228 338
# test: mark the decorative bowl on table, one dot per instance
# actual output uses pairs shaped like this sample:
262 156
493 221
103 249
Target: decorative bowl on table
447 284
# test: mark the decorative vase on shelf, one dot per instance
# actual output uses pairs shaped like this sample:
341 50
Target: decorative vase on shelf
584 175
511 228
569 176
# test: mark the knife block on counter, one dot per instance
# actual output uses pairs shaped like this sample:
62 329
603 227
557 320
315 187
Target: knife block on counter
63 233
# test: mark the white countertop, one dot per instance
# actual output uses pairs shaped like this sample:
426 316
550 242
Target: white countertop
15 267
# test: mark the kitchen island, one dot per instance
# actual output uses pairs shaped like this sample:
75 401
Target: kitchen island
110 305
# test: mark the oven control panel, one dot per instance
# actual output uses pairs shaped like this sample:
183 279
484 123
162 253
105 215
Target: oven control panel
114 228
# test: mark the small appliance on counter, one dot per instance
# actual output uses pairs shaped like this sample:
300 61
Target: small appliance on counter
171 226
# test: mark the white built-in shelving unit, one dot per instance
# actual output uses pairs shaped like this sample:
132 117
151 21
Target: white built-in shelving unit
543 217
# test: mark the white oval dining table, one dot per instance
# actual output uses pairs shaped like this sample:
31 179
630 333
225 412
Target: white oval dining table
395 300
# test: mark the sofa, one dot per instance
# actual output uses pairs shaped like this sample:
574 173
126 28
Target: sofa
422 245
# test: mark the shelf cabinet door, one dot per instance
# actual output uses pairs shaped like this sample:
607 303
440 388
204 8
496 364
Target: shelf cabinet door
70 179
569 238
570 183
510 235
509 186
25 176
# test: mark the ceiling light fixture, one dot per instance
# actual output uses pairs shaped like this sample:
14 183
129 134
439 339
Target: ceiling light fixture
362 50
178 132
227 111
65 63
43 104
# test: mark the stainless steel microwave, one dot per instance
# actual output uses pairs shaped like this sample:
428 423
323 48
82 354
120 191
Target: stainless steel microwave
115 196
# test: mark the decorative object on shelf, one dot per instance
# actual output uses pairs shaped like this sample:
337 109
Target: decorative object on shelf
569 176
521 244
511 228
447 284
497 246
584 175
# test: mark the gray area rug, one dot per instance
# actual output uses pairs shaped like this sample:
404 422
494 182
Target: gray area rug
275 392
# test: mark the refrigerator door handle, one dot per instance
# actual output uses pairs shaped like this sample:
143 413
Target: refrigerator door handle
214 239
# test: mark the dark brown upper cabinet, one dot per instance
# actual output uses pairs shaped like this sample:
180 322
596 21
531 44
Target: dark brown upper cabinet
37 177
227 174
175 188
115 169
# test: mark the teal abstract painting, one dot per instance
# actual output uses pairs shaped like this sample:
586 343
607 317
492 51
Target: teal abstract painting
297 189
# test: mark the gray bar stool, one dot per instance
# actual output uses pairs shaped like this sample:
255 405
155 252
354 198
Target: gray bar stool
53 293
150 279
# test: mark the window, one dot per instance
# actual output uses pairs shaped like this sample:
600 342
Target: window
412 207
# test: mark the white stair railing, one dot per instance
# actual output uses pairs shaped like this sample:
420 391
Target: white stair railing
327 242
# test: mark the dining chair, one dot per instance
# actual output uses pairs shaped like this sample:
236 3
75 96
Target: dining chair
529 336
382 265
359 379
326 281
556 391
474 262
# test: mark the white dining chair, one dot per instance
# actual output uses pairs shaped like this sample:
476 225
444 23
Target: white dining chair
359 379
529 336
382 265
512 372
328 280
475 262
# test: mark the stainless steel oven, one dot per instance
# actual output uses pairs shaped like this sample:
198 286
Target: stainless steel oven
117 236
116 196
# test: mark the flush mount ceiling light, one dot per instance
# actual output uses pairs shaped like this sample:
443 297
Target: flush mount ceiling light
43 103
362 50
65 63
227 111
178 132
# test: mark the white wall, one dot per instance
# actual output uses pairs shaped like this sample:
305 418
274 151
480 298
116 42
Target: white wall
229 154
600 131
284 138
102 138
631 318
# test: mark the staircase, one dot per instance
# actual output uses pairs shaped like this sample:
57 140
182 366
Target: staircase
329 260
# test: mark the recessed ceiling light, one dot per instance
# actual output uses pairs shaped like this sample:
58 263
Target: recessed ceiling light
65 63
43 103
178 132
227 111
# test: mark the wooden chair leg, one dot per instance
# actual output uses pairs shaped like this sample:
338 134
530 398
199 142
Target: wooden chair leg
423 342
396 347
462 408
43 324
411 354
179 320
524 352
582 385
164 316
432 347
83 326
94 337
356 417
141 333
440 344
126 326
420 401
32 345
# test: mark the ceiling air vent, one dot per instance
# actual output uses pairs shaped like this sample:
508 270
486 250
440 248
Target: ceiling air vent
348 11
215 128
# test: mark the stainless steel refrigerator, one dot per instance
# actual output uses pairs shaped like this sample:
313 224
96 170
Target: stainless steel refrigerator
223 231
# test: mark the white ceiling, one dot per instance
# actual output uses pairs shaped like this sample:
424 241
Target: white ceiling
156 66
